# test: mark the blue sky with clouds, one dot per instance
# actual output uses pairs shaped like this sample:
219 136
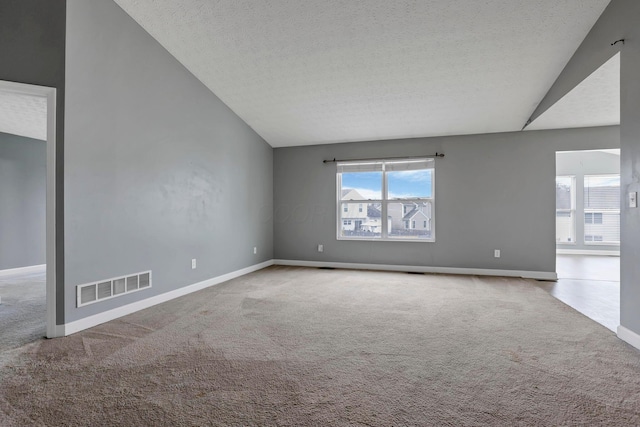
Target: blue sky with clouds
404 184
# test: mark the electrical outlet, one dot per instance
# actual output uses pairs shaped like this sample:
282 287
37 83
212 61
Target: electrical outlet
255 250
193 264
633 199
496 253
320 248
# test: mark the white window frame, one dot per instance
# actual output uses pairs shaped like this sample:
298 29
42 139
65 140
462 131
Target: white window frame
384 202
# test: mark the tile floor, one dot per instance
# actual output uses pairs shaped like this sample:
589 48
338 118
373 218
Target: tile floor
591 285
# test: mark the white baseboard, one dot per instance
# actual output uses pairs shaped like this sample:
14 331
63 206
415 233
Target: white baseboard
24 270
629 336
586 252
97 319
58 331
538 275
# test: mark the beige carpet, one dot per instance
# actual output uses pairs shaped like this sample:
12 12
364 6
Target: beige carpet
293 346
23 309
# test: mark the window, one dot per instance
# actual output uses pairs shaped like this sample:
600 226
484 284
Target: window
386 199
565 209
593 218
602 209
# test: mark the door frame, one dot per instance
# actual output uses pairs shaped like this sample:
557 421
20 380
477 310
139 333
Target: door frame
50 95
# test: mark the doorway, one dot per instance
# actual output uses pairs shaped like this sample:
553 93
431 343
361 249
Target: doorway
588 233
36 110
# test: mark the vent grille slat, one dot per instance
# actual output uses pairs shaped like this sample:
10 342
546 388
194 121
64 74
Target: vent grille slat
104 290
90 293
132 283
145 280
119 287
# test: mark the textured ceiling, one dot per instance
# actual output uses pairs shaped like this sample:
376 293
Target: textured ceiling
310 72
594 102
23 115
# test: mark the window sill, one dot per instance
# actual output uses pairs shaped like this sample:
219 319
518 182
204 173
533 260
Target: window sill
380 239
602 243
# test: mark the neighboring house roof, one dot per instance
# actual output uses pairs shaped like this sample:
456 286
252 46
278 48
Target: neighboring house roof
355 195
413 213
373 212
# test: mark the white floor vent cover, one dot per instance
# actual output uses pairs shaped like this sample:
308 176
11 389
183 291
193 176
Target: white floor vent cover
106 289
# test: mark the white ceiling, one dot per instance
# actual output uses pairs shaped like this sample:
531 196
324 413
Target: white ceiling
310 72
594 102
23 115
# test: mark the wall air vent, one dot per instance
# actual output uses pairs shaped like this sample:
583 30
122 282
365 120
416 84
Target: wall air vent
90 293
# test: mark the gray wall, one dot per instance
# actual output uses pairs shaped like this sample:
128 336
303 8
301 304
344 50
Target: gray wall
32 50
579 164
158 170
630 171
492 192
619 20
23 179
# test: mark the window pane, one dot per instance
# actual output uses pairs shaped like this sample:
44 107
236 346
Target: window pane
602 192
411 184
602 209
565 210
365 222
410 220
361 186
564 192
565 227
602 226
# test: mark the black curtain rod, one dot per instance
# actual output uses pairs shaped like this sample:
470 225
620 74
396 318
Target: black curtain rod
334 160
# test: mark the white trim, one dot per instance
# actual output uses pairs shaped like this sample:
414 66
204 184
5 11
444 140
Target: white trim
50 94
97 319
51 215
538 275
629 336
24 270
586 252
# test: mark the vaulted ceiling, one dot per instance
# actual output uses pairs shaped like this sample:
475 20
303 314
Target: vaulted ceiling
311 72
594 102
